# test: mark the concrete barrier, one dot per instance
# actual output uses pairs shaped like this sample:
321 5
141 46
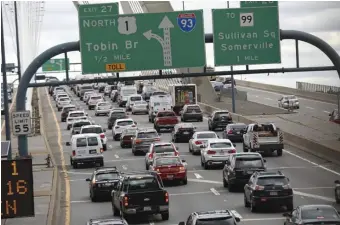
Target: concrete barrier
239 95
302 143
290 91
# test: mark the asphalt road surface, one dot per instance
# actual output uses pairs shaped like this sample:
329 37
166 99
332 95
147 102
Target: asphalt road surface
311 178
313 108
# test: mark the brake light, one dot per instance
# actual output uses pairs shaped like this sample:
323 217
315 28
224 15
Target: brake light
73 153
151 156
286 186
166 197
259 188
101 150
157 139
230 132
138 141
211 152
133 126
157 170
102 136
198 142
232 151
181 168
125 201
176 153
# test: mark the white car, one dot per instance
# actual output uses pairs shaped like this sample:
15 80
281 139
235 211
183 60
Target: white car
289 102
86 148
200 138
140 107
87 95
107 90
93 100
216 152
95 129
158 149
59 94
114 95
131 101
62 102
120 125
102 108
75 115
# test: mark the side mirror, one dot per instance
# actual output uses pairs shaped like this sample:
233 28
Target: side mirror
177 148
237 219
195 128
113 192
330 114
181 223
183 161
104 130
337 182
202 146
68 144
136 123
234 144
286 214
264 160
87 179
159 134
227 162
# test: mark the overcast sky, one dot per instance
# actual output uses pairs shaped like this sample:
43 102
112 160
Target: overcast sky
322 19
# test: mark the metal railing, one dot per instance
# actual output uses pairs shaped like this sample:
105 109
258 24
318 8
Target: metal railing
304 86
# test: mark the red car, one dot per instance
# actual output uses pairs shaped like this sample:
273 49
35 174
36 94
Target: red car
170 168
165 120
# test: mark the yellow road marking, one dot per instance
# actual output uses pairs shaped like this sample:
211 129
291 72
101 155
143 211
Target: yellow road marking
10 110
63 165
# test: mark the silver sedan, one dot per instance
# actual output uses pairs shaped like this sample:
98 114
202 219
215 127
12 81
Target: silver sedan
140 107
200 138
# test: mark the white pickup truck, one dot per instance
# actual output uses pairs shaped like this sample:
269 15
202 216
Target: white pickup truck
263 138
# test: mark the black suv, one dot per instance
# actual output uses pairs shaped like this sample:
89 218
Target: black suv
268 189
191 112
113 116
113 221
239 167
102 182
182 132
140 193
219 119
217 217
65 110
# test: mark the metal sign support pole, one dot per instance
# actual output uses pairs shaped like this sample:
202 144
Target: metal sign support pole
17 39
66 67
4 88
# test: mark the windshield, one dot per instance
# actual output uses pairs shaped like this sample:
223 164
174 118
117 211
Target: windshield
165 114
128 92
163 148
167 161
222 114
145 183
68 109
277 181
125 123
248 162
106 176
136 98
81 124
221 145
96 97
147 135
64 99
237 127
216 221
77 114
193 108
291 97
92 130
319 213
206 136
104 106
116 114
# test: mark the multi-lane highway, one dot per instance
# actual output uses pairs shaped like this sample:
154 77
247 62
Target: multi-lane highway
313 108
311 178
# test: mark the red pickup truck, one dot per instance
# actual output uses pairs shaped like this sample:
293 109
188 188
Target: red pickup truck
165 120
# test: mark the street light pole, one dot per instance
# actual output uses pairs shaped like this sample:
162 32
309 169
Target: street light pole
17 39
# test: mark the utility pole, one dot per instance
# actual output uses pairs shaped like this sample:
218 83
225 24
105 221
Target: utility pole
4 87
17 38
232 83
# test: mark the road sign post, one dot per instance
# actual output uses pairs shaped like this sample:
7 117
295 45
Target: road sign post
248 4
55 65
21 123
149 41
246 36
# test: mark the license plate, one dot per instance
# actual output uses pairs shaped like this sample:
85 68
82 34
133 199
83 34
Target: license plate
147 208
80 152
273 193
94 151
186 132
170 176
250 172
107 184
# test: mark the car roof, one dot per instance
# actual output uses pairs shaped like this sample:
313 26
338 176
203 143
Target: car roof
144 130
218 140
162 143
85 135
185 125
69 106
192 105
221 111
321 206
205 132
237 124
246 154
126 119
214 214
90 126
112 221
77 111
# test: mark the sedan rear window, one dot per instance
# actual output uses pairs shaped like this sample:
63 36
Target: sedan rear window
106 176
221 145
147 135
319 213
96 97
165 114
163 148
125 123
167 161
206 136
80 124
248 162
77 114
92 130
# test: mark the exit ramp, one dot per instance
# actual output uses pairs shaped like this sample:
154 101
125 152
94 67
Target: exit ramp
206 92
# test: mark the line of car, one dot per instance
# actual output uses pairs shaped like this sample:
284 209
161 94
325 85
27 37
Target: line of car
144 193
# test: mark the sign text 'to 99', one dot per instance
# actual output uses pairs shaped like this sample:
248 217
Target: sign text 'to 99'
17 198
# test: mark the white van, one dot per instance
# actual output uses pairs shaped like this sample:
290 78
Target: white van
75 115
159 103
124 93
86 148
131 101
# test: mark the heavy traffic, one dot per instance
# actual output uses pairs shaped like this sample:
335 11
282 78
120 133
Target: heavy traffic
135 194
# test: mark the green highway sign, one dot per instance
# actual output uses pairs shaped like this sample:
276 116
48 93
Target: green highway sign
149 41
55 65
249 4
246 36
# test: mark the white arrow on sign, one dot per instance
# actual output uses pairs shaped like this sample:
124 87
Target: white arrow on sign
166 25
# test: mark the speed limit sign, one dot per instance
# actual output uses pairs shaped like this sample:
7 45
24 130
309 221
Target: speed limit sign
21 123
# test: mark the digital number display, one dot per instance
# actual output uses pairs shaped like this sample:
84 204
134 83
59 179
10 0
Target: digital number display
17 198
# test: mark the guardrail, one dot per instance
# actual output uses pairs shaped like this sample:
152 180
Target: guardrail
304 86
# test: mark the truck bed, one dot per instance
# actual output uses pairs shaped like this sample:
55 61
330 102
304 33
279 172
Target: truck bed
146 198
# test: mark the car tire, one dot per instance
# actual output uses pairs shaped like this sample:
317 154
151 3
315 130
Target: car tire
109 127
245 149
290 207
68 127
185 181
231 187
337 199
201 120
225 183
147 166
74 165
93 198
252 207
279 152
122 146
101 164
71 161
165 216
115 210
246 203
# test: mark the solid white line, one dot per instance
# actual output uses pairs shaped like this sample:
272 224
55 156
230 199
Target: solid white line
326 112
213 190
261 219
83 201
256 96
127 159
124 167
314 196
236 214
313 163
151 223
308 107
205 181
198 176
268 98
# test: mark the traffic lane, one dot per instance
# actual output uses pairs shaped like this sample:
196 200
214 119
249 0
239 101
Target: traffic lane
307 106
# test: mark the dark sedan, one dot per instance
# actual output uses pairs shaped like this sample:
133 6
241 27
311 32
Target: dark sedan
233 131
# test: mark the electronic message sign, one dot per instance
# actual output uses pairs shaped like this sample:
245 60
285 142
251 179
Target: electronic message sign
17 198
